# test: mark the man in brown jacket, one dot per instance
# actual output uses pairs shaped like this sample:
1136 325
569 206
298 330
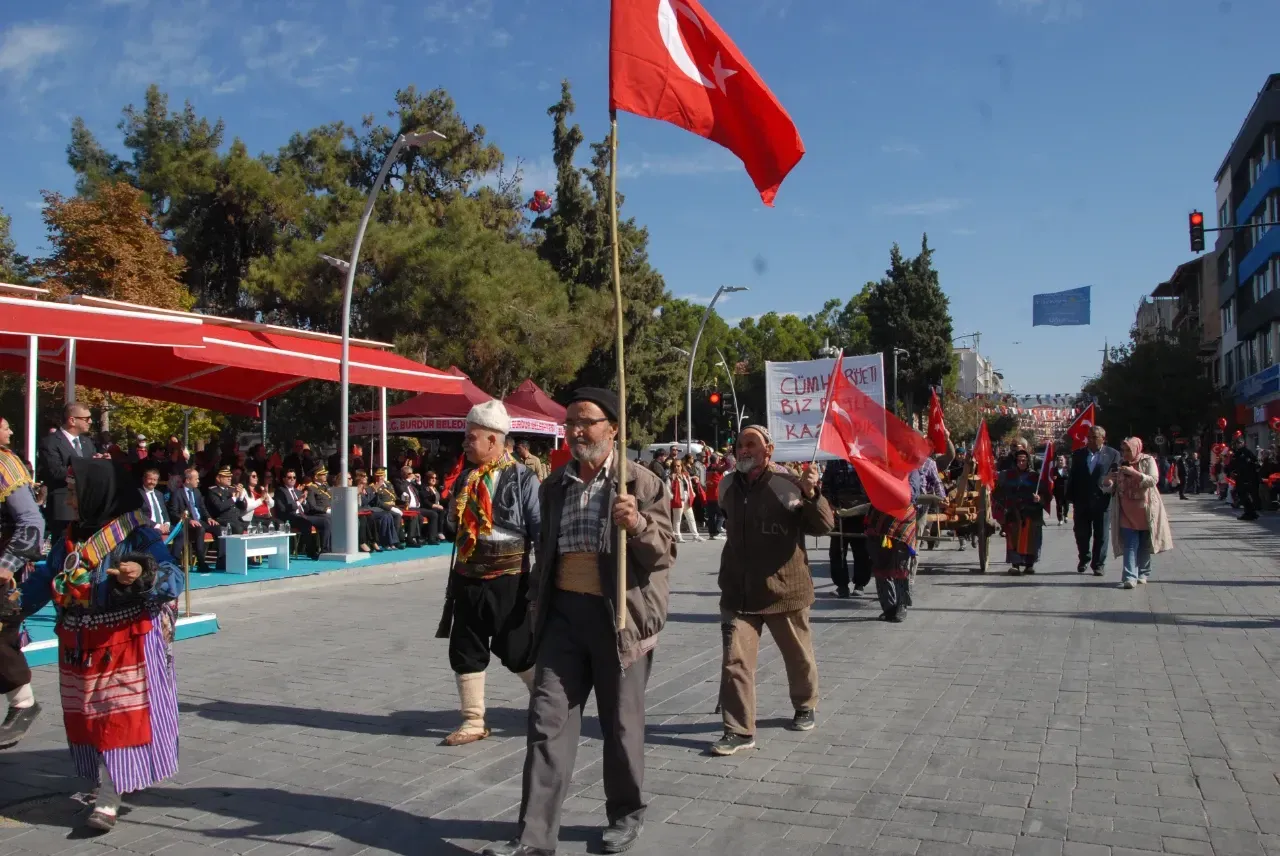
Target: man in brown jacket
765 581
574 590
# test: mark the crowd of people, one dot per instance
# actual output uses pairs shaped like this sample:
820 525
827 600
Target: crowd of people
533 579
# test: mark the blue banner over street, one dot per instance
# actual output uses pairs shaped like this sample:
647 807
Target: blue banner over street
1061 308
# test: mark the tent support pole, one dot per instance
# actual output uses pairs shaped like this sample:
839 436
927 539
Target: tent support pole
71 372
33 403
382 416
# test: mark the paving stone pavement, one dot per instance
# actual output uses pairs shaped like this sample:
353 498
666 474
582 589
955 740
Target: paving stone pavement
1052 714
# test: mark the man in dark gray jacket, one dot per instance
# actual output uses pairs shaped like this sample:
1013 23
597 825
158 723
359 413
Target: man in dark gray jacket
579 646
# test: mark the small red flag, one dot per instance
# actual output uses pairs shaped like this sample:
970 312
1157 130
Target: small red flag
1079 430
1045 485
984 459
669 60
937 427
882 448
453 476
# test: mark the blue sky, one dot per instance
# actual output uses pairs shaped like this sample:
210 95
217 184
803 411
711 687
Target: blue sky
1042 144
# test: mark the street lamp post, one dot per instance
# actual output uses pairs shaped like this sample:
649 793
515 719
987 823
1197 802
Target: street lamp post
896 352
344 499
737 414
724 289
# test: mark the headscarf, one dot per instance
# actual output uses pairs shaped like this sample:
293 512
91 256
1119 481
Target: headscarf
1131 488
1134 445
104 491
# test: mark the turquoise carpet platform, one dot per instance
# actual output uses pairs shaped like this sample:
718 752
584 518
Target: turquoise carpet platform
43 649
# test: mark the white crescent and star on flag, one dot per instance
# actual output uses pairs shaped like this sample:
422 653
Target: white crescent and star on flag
669 27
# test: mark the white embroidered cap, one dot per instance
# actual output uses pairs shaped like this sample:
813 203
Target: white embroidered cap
492 415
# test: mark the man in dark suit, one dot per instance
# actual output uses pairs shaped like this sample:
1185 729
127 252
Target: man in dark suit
72 440
186 499
153 502
289 508
1089 503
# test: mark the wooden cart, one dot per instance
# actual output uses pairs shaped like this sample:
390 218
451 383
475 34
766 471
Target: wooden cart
964 517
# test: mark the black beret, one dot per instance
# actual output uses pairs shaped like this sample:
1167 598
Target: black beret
606 400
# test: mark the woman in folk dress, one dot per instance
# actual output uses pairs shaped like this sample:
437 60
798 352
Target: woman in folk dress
114 584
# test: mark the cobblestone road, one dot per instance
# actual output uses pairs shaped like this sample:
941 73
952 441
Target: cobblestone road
1052 714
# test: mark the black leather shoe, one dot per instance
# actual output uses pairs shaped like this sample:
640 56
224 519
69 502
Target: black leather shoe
515 848
16 723
619 838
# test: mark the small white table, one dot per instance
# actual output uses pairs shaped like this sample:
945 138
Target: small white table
239 549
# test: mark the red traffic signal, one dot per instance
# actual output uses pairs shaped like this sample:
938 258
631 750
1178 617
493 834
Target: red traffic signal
714 398
1195 223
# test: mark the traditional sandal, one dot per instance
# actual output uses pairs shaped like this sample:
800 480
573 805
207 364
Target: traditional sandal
101 820
465 735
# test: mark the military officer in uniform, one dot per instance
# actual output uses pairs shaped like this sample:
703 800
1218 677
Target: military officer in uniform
386 513
317 505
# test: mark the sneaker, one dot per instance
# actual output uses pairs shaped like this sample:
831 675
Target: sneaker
1080 568
1128 584
859 591
804 721
842 591
1142 581
731 744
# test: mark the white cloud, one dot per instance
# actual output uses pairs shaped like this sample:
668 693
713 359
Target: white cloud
109 3
453 12
234 84
900 149
25 47
292 51
710 161
1048 11
927 208
170 51
499 38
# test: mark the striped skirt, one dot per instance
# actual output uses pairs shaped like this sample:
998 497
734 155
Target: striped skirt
136 767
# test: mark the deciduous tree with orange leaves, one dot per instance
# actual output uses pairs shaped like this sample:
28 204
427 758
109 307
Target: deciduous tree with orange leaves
107 245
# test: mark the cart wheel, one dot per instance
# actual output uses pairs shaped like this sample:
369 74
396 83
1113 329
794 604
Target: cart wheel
984 531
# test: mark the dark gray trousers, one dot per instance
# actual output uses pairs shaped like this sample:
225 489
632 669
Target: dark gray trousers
578 653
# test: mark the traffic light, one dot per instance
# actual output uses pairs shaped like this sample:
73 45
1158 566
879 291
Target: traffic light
1195 220
715 399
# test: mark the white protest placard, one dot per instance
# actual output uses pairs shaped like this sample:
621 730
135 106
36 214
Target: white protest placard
796 397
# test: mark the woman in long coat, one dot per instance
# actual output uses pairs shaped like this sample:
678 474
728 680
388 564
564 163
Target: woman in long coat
1139 525
1017 499
113 584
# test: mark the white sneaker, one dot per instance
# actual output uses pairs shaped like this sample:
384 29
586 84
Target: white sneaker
1142 581
1127 584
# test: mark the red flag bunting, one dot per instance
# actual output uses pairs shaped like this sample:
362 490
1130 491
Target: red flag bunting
882 448
669 60
1079 430
453 476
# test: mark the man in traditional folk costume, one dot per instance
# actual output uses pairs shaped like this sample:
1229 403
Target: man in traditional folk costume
21 537
114 584
494 510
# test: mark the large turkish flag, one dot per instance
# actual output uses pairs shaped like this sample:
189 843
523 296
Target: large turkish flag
882 448
669 60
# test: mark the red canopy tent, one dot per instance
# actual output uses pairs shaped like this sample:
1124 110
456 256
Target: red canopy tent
448 412
529 396
222 364
24 320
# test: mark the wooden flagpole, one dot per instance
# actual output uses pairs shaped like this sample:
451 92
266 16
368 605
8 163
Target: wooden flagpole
826 407
622 369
